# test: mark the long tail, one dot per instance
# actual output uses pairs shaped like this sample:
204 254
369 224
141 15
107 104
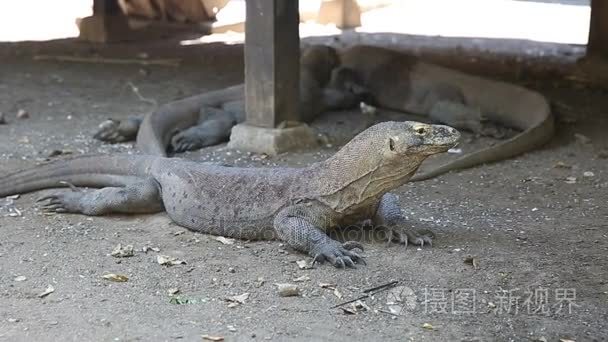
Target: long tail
503 103
92 171
158 127
525 141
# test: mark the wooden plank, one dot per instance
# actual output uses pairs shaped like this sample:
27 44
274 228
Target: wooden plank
106 7
272 55
598 29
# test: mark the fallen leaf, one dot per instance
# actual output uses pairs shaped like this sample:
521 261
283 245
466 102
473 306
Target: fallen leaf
301 279
168 260
173 291
562 165
240 299
50 289
225 240
428 326
119 278
302 264
212 338
472 261
337 293
20 278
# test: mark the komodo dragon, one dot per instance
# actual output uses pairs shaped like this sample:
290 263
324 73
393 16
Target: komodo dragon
401 82
296 205
207 119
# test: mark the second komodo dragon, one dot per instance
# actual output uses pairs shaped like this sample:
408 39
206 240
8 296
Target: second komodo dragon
402 82
296 205
207 119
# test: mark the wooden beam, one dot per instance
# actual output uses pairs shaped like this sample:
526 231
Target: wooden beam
598 29
272 62
106 7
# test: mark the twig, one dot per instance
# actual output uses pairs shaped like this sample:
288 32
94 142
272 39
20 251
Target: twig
143 99
369 293
102 60
389 284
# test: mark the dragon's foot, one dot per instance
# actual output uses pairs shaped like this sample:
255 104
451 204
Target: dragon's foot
63 202
339 255
411 236
193 139
116 131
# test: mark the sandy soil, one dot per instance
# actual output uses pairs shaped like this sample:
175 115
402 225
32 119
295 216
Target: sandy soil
539 238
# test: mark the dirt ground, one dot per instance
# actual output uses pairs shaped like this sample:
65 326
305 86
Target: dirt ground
536 225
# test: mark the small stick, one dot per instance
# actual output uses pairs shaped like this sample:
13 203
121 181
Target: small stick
102 60
143 99
370 293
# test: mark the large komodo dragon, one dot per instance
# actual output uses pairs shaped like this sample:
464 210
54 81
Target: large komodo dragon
401 82
296 205
207 119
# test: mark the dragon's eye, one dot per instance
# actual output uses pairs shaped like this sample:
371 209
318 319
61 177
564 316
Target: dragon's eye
420 130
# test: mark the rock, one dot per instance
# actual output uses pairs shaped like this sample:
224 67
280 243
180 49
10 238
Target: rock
588 174
122 252
288 290
20 278
2 119
22 114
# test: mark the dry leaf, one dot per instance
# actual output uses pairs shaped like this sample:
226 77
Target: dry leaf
50 289
240 299
428 326
212 338
119 278
337 293
472 261
168 260
225 240
301 279
302 264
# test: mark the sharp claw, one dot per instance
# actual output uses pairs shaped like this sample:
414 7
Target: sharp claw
349 262
44 198
339 263
428 240
317 259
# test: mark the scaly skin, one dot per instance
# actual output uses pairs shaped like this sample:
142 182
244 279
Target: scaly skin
296 205
206 119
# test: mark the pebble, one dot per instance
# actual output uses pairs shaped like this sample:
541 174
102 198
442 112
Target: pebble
288 290
231 270
588 174
22 114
